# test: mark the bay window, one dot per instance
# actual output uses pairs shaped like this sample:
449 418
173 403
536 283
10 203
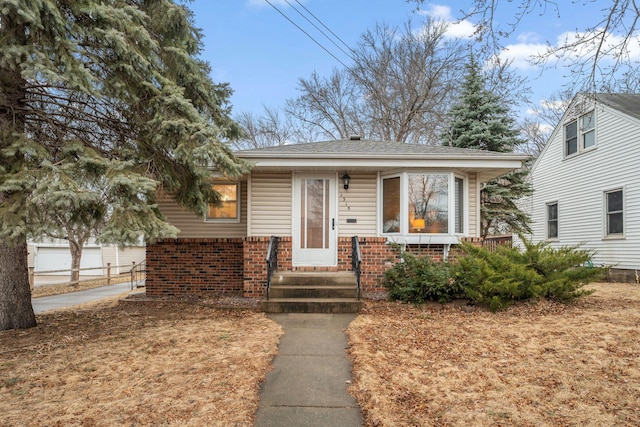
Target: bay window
391 205
428 203
417 203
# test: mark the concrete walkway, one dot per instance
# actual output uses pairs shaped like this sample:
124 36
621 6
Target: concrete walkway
308 384
75 298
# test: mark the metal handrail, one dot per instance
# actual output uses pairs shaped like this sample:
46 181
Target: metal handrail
356 260
272 260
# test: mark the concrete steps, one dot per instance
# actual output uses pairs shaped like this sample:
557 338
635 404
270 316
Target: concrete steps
313 292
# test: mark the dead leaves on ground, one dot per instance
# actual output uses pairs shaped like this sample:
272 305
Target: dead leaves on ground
158 364
532 365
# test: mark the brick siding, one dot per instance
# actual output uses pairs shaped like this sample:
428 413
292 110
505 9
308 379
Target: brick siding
183 267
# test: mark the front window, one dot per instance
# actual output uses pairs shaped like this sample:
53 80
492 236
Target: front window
229 208
552 220
391 205
459 205
423 203
428 203
615 212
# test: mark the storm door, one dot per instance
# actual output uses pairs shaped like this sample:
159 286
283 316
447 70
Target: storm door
314 221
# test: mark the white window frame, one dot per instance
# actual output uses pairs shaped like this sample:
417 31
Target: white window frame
237 218
403 236
606 212
547 220
581 133
465 203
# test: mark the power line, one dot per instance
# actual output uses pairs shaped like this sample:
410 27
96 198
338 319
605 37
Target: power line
328 29
320 30
307 34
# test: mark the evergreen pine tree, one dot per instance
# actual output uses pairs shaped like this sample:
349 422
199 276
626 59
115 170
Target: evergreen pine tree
480 121
103 105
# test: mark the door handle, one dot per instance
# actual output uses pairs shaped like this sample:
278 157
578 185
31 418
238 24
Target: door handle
333 223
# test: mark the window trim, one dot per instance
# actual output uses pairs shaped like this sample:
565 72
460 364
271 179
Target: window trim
580 134
606 233
557 221
237 218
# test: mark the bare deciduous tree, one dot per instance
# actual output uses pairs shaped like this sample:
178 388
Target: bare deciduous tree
331 105
400 87
536 128
271 128
598 56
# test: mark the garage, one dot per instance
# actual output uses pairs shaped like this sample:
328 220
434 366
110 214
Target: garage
49 258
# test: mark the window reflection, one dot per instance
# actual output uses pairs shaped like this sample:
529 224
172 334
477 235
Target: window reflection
428 203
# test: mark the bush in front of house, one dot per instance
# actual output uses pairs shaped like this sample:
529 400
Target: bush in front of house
418 279
497 278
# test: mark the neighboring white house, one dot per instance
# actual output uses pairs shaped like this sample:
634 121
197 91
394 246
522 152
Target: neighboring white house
54 255
586 182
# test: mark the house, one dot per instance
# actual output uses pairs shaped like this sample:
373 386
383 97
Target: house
586 182
314 198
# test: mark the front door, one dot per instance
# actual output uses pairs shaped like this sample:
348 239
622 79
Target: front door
314 222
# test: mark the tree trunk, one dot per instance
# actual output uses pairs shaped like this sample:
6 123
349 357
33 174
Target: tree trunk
16 311
76 257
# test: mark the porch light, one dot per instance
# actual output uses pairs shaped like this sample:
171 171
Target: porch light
345 180
418 223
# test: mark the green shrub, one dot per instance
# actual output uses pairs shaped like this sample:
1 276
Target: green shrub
495 279
417 279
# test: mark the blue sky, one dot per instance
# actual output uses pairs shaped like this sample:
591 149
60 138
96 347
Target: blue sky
262 55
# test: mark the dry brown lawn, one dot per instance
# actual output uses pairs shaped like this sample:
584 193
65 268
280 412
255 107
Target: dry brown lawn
113 363
542 364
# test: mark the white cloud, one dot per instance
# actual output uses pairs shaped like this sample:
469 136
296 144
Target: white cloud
521 53
585 45
529 47
456 28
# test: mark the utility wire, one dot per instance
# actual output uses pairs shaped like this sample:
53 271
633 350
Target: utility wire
328 29
319 29
307 34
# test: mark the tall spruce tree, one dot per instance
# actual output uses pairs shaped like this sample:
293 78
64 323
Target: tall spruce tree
103 105
479 120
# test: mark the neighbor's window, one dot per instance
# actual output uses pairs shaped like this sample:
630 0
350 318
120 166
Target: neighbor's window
584 130
428 203
571 138
391 205
229 208
615 212
552 220
588 130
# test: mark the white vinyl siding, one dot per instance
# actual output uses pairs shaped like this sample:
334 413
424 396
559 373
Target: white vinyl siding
194 226
271 206
580 183
358 203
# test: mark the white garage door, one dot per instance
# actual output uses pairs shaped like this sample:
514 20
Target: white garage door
52 258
